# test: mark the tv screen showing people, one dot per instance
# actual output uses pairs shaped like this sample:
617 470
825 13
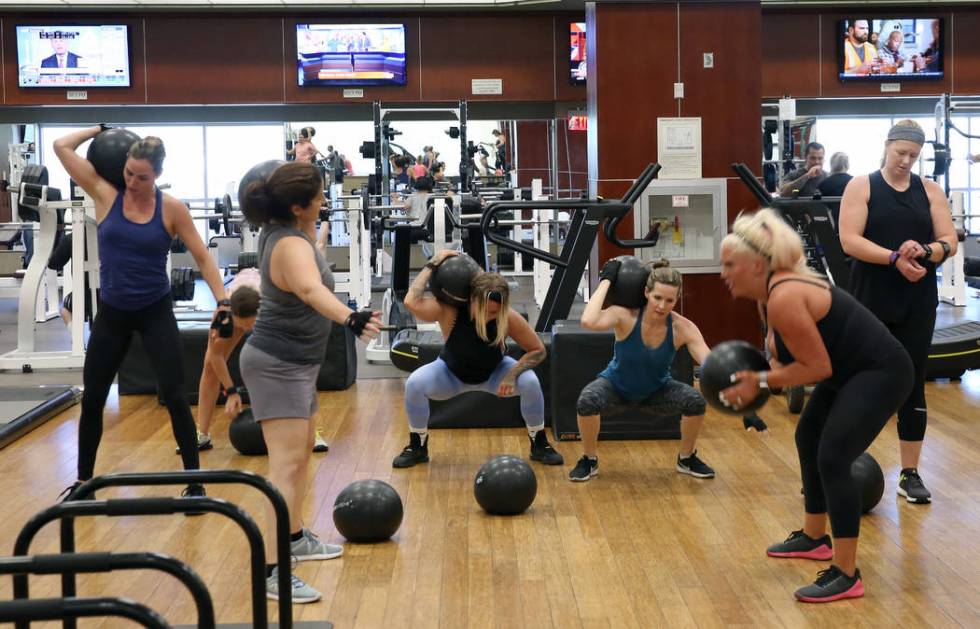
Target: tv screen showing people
350 54
73 56
578 53
891 49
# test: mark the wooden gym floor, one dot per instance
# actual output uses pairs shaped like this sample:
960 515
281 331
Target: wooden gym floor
639 546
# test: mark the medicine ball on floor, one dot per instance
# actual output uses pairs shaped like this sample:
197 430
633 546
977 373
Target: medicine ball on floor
108 152
450 282
505 485
631 280
245 434
869 479
368 511
725 360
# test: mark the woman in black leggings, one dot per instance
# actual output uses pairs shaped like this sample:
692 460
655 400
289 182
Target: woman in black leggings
135 228
818 334
897 227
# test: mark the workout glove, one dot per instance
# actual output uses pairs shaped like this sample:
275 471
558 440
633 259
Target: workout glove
609 271
357 321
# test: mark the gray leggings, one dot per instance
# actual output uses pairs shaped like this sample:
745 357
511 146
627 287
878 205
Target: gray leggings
599 397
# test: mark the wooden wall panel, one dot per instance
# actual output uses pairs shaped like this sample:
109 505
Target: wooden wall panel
790 55
722 96
519 50
965 35
408 93
215 60
15 95
564 90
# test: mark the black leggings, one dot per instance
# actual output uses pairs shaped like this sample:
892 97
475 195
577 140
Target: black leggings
837 425
915 334
107 347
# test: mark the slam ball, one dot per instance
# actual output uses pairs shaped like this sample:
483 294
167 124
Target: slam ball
245 434
716 373
259 172
368 511
108 152
505 485
450 282
870 480
631 280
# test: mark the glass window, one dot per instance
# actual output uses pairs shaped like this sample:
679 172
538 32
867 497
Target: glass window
232 149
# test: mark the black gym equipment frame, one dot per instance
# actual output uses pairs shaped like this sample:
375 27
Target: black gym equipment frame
204 477
107 562
586 217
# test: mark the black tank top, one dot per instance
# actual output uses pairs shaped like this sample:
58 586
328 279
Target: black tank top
468 356
855 339
893 218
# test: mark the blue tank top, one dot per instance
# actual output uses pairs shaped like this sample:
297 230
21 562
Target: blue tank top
133 258
637 371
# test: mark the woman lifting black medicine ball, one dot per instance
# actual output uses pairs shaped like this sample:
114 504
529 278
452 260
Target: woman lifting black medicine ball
818 334
136 225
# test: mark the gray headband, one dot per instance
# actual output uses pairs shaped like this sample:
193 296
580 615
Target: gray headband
907 132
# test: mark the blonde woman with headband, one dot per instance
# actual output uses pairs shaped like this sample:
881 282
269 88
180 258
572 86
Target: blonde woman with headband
898 228
647 338
474 359
817 334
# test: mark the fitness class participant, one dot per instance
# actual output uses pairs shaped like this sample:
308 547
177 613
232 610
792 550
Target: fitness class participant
136 226
638 375
818 334
898 228
281 359
473 359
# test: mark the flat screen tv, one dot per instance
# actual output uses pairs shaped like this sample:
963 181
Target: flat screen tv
81 56
890 49
577 58
350 54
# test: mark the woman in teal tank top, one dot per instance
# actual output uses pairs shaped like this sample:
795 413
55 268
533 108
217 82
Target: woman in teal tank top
647 339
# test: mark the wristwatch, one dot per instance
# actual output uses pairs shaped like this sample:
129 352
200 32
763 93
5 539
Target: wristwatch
763 379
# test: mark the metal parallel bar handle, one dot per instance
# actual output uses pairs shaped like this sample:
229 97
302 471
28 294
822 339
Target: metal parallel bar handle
197 476
23 612
107 562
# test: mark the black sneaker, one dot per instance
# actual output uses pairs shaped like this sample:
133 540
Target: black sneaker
193 491
911 486
831 585
694 466
585 469
542 451
799 545
414 453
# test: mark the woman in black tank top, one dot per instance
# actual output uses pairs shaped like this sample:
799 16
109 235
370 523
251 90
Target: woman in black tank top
818 334
473 359
897 228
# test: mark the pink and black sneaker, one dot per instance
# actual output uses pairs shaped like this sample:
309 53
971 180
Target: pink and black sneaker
831 585
799 545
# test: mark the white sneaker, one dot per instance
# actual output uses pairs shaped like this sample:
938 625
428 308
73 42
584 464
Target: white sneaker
310 548
302 592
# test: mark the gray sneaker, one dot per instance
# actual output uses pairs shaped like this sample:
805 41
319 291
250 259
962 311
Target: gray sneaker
309 548
302 592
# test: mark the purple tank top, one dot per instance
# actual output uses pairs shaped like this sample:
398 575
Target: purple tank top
133 258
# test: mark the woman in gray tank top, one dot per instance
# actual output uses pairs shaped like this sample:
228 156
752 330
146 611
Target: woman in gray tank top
281 359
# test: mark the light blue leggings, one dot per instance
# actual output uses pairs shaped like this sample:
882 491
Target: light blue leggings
436 382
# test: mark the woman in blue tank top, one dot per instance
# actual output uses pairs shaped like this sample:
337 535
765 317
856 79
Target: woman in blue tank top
897 227
647 339
135 228
817 334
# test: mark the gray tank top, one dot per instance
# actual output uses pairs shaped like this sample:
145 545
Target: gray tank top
287 328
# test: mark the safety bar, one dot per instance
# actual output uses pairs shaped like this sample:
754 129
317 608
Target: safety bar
107 562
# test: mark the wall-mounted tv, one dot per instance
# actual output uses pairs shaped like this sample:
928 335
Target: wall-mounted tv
350 54
577 59
890 49
70 56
